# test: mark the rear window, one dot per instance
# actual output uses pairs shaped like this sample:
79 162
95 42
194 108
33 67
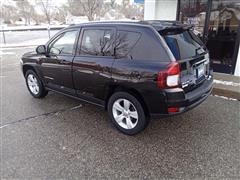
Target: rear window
183 44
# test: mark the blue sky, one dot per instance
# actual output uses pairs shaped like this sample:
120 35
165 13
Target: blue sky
139 1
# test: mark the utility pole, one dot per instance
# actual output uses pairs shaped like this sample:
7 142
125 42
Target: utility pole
3 34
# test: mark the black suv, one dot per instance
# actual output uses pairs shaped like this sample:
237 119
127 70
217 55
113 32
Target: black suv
135 70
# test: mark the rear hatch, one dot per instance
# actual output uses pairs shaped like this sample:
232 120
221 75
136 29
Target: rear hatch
190 53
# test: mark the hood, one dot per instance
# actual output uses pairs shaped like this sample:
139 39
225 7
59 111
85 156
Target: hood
29 54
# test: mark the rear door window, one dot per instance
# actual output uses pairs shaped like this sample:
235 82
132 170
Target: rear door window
125 41
97 42
184 44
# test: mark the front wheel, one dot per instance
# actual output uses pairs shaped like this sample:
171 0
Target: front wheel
126 113
35 85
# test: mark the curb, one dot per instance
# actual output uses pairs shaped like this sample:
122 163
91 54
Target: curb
226 92
226 85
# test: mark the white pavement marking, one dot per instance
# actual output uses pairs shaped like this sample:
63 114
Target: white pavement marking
226 98
76 107
4 126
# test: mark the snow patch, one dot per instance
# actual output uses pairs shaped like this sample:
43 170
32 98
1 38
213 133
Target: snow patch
6 53
228 83
34 42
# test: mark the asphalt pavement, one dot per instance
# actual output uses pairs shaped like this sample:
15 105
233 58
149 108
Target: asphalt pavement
62 138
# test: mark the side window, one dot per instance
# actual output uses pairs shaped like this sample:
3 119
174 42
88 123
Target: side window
125 41
97 42
64 43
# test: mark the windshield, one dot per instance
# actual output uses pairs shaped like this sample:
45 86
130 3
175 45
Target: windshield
183 44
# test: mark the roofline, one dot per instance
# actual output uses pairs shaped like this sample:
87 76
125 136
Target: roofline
130 23
159 25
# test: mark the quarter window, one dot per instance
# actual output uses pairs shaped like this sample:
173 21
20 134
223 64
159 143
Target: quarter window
125 41
64 43
97 42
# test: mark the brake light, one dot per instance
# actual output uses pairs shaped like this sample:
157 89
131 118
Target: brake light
169 77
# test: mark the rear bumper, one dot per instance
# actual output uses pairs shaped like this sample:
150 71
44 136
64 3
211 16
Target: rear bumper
186 101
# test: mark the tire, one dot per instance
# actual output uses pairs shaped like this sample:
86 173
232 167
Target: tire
35 85
126 113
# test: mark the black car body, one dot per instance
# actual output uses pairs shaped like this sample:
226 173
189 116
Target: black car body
162 64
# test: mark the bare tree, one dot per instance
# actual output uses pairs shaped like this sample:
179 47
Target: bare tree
89 8
26 10
132 11
46 7
113 3
38 18
8 14
61 13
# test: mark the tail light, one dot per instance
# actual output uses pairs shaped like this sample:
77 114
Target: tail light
169 77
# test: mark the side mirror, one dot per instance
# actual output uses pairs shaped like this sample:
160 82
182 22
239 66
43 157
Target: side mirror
41 49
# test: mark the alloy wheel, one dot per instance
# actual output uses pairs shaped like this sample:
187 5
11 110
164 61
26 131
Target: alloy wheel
125 113
33 84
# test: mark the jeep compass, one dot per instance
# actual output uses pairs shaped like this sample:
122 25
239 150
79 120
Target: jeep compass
134 70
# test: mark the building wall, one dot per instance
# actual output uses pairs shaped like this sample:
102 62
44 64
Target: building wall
160 9
149 9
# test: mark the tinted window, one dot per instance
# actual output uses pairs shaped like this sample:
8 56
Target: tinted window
64 43
183 44
97 42
125 41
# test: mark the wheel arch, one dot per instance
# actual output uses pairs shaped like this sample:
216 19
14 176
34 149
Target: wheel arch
28 67
118 88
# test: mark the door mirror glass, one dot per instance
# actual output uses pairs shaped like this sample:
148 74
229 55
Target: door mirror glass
41 49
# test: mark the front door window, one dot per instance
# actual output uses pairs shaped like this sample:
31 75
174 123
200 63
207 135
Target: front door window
64 43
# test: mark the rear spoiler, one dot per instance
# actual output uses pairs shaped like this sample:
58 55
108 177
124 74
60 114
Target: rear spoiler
173 26
174 29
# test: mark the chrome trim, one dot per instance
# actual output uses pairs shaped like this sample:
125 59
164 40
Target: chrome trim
47 77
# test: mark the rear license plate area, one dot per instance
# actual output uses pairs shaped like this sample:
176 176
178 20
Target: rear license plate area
200 71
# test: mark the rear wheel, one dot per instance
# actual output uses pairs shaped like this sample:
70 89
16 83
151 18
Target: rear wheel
35 85
126 113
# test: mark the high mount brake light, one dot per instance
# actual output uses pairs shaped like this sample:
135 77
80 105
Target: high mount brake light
169 77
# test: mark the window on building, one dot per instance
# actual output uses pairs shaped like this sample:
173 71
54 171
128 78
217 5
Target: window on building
64 43
222 34
125 41
194 12
97 42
